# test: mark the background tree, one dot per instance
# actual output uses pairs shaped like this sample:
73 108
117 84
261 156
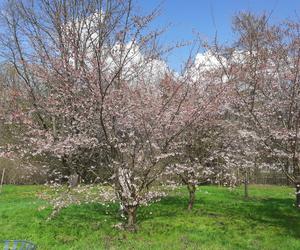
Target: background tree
263 64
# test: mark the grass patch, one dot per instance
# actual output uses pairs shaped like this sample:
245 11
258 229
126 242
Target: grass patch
221 219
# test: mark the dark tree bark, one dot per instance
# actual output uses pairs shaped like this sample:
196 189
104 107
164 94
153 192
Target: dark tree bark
297 185
298 195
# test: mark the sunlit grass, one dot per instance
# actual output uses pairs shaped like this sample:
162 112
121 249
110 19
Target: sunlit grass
221 219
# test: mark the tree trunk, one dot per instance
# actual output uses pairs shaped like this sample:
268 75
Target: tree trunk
131 218
2 180
246 192
297 184
73 180
192 190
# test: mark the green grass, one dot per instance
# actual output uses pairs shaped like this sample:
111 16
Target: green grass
221 219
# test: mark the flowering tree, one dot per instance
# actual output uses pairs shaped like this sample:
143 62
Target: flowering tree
240 152
264 65
99 93
193 163
74 59
199 153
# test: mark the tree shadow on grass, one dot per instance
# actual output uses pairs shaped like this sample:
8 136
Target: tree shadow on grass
161 208
171 206
167 207
278 212
272 212
255 211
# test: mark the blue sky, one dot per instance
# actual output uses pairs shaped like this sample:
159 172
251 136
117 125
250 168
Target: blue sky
209 16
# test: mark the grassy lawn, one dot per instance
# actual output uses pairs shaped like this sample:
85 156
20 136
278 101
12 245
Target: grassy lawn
221 219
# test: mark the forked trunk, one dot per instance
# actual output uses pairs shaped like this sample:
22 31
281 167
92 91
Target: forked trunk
192 191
